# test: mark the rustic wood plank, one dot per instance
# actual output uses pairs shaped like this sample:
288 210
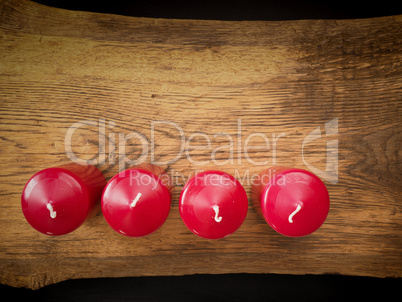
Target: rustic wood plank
283 79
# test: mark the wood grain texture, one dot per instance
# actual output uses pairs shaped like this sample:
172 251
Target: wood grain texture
282 79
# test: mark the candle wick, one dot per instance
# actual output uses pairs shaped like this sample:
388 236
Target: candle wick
50 208
135 200
298 208
216 209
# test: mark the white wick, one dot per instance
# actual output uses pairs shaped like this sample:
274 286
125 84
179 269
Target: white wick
50 208
298 208
135 200
216 209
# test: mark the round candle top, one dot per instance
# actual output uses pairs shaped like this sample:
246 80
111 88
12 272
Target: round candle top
135 202
213 204
295 202
56 201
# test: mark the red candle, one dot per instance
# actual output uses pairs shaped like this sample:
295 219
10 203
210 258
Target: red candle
136 202
294 202
213 204
56 201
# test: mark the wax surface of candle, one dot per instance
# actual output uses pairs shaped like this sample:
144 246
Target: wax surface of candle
135 202
213 204
295 202
56 201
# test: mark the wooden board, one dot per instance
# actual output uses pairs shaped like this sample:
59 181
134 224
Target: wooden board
214 85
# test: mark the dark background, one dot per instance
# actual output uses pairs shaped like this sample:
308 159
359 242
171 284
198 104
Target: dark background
229 287
236 9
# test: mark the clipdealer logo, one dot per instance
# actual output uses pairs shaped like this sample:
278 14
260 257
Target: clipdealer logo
331 171
237 146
